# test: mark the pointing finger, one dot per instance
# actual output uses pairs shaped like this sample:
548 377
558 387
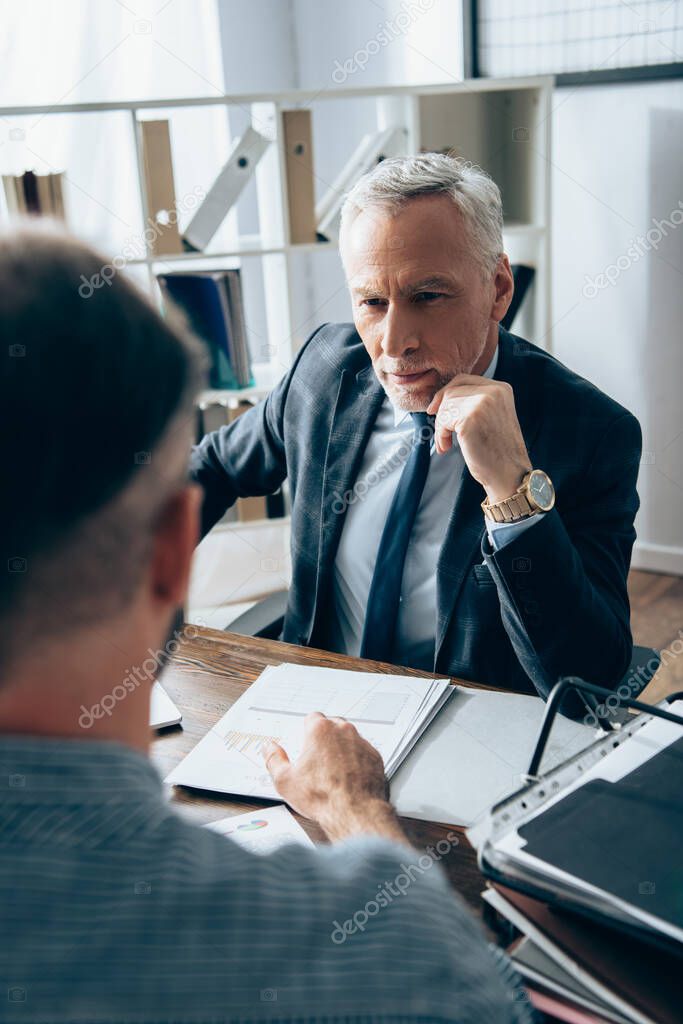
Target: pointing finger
276 760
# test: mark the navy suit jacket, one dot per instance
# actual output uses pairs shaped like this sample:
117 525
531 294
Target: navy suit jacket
552 602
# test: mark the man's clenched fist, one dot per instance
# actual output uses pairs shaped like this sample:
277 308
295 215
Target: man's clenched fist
482 413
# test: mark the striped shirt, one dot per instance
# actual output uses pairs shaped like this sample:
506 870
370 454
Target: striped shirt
115 909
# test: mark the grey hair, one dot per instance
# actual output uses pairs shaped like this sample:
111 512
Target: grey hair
395 181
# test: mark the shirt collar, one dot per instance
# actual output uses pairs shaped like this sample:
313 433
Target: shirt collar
400 415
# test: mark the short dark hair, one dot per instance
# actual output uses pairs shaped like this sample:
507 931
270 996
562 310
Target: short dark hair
90 388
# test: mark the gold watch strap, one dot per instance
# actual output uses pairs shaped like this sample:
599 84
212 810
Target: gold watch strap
509 510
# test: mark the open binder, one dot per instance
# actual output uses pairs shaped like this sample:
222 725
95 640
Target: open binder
602 833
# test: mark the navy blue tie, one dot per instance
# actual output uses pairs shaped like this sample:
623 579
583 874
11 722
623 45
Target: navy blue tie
381 614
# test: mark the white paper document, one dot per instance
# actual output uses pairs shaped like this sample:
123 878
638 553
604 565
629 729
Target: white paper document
474 753
390 711
263 831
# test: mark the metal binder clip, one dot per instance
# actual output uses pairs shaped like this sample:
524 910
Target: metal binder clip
558 693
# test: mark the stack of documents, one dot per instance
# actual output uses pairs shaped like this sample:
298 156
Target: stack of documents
391 712
579 970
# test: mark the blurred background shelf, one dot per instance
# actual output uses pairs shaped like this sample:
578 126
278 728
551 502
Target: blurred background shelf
290 288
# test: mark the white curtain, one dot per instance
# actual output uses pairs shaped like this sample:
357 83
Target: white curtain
75 51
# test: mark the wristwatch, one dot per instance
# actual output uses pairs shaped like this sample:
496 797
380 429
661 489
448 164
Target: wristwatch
535 494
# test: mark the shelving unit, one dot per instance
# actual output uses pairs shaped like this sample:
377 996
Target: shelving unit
502 125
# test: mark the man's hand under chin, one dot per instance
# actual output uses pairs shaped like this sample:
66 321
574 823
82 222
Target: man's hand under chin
338 780
482 413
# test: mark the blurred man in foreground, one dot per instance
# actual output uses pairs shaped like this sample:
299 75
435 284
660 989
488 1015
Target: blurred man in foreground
112 908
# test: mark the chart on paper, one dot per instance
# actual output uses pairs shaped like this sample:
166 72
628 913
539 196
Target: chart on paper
262 831
278 701
300 699
389 711
247 742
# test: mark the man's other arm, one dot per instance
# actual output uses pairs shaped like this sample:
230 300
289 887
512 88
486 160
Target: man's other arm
245 459
563 584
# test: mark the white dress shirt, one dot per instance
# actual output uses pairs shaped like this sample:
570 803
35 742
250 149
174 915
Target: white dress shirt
370 499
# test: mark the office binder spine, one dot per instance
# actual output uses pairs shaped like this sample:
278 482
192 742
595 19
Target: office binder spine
298 142
226 189
157 160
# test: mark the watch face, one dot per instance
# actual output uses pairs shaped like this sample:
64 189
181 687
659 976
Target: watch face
541 490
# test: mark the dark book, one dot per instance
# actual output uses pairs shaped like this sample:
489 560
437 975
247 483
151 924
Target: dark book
212 301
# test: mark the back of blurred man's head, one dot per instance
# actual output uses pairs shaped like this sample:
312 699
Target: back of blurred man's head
96 400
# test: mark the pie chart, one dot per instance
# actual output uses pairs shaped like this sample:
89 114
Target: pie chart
250 826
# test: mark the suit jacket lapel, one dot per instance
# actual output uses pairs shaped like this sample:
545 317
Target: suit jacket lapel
466 526
357 404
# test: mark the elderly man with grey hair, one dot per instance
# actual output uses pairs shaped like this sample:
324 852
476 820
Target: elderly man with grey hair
462 502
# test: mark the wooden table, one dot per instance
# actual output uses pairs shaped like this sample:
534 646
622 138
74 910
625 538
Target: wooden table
211 671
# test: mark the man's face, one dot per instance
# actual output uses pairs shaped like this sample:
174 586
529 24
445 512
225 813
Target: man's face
420 301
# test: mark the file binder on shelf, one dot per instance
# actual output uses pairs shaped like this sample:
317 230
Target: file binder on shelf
372 149
226 189
298 141
600 835
158 164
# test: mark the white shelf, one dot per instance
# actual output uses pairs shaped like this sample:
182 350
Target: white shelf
246 246
266 376
291 97
480 117
229 396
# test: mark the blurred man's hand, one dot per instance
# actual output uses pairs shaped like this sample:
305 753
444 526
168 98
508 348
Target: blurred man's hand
338 780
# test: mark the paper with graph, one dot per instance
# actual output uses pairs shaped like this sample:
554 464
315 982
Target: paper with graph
391 712
264 831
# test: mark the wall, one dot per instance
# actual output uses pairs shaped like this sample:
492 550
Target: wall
617 290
